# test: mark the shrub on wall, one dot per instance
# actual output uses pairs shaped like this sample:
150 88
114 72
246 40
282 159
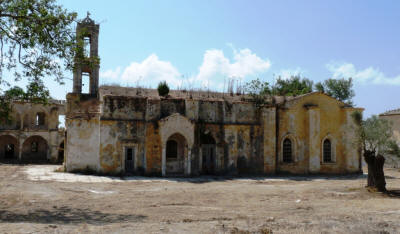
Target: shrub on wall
163 88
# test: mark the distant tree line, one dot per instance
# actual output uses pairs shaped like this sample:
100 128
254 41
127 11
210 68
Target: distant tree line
340 89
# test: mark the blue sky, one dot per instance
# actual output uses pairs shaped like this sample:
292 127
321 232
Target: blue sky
205 43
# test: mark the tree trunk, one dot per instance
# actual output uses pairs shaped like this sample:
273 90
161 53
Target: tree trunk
380 181
376 177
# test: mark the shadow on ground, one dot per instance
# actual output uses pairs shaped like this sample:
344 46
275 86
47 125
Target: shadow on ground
206 179
393 193
66 215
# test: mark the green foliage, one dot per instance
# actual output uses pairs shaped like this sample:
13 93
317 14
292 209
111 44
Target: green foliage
37 39
36 92
394 149
5 110
341 89
258 91
163 88
293 86
15 93
375 134
357 116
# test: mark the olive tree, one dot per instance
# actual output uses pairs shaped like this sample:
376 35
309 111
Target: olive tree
375 136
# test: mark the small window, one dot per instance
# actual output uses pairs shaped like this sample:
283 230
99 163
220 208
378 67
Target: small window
34 147
40 119
327 151
172 149
287 151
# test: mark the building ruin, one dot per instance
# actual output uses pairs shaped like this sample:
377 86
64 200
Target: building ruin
116 130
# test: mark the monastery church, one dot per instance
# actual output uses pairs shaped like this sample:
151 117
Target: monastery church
116 130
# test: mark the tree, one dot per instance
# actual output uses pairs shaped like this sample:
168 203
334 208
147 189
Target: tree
258 90
36 37
341 89
36 40
36 93
375 136
293 86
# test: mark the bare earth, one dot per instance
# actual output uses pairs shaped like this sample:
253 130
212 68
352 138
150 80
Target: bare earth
36 199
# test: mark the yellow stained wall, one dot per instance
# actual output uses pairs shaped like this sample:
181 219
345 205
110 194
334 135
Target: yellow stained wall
153 149
115 135
333 123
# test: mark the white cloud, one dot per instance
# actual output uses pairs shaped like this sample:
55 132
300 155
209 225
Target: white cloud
111 74
217 67
368 75
153 70
213 71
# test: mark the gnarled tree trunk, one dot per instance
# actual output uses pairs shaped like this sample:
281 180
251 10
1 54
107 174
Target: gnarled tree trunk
376 177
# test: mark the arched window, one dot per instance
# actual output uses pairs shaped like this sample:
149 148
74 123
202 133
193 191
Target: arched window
287 151
172 149
39 121
327 151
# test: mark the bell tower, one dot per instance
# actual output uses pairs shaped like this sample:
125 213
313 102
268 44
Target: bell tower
87 61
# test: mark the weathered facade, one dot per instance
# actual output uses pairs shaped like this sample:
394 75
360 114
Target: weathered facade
143 133
126 130
33 135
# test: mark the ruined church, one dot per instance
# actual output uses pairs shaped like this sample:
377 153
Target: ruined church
120 130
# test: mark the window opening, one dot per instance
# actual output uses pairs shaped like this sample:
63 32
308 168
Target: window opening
287 150
61 122
40 119
85 82
86 47
327 151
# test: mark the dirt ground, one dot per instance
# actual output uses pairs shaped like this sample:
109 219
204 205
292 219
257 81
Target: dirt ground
36 199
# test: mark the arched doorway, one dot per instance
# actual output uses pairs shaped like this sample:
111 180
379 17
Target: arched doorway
34 149
8 147
60 157
176 153
208 156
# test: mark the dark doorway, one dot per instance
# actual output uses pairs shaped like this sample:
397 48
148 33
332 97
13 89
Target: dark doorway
9 151
60 158
129 159
9 147
208 154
